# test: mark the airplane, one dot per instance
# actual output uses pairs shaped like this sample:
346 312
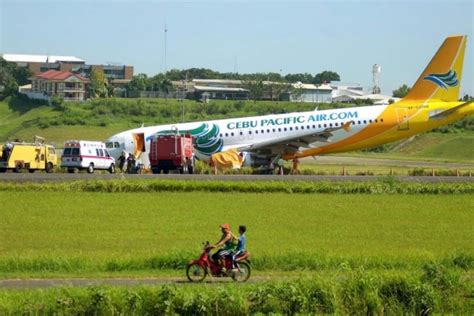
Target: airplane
432 102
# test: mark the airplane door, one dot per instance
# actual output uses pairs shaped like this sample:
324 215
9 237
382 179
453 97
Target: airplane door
402 117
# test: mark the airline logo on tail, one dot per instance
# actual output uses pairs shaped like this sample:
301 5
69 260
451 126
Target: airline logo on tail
445 80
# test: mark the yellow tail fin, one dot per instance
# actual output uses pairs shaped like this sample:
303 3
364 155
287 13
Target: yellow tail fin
441 79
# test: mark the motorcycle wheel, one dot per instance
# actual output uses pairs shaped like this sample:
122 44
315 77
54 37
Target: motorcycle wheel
244 272
196 272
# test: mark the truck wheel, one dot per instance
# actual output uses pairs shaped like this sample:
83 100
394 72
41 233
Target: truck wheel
166 171
31 170
49 167
17 168
155 170
71 170
3 170
112 168
90 169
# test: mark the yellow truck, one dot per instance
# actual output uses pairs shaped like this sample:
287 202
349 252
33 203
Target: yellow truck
34 156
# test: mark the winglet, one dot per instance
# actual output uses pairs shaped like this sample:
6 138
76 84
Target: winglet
441 79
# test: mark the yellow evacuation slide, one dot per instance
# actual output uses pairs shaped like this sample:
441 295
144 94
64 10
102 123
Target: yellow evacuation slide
227 159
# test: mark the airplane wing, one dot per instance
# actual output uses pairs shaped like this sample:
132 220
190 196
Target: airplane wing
293 143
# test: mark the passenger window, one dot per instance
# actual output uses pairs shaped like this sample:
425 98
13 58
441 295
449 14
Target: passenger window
291 128
106 153
232 134
97 152
51 150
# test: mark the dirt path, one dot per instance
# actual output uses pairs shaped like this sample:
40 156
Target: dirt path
80 282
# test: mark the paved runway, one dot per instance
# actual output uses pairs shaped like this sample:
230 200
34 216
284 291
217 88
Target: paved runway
63 177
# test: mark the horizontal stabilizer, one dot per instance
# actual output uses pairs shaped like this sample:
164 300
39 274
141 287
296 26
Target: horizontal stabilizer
439 114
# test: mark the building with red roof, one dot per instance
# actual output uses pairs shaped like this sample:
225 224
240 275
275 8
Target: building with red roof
66 85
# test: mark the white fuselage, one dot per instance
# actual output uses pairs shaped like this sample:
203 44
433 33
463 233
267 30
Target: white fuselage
242 132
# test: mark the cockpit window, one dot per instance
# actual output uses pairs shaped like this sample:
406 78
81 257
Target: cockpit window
116 145
109 145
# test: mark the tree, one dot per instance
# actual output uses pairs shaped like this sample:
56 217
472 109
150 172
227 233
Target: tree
303 78
138 83
326 76
275 89
401 92
256 89
12 76
97 85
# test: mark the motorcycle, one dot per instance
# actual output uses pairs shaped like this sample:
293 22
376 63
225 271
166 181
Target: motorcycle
197 270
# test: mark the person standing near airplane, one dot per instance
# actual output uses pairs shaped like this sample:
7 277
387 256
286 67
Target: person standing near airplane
294 169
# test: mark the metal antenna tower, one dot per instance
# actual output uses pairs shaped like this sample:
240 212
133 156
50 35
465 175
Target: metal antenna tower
376 70
166 39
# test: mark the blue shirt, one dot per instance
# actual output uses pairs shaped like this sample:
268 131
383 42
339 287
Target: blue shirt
242 243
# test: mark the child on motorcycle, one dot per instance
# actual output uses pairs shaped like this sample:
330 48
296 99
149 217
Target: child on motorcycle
242 243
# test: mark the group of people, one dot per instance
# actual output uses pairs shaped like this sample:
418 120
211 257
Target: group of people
127 161
278 167
231 246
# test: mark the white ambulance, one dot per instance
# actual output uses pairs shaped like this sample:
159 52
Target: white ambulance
89 155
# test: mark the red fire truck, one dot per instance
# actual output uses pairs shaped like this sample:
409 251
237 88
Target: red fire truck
171 152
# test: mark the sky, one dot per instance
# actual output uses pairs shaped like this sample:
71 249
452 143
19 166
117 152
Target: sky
245 36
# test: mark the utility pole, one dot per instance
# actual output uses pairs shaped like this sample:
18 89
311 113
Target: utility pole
166 39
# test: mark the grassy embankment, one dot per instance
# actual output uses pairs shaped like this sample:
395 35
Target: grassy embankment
434 291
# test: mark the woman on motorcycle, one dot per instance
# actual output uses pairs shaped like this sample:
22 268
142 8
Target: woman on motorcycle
227 243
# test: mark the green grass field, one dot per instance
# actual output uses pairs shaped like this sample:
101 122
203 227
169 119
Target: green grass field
326 228
432 147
